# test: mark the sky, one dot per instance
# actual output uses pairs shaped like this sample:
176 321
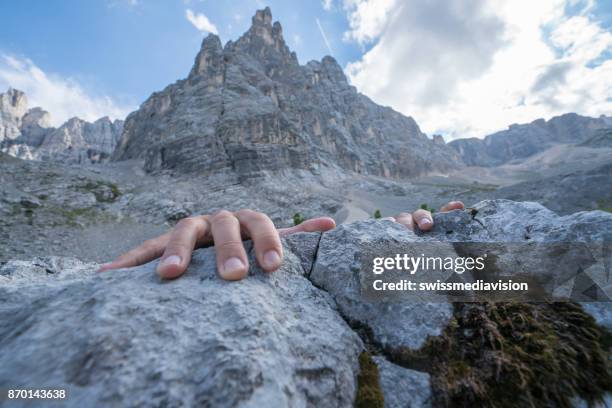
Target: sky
460 68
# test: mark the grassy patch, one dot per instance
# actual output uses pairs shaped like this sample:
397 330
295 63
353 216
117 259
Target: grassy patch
105 192
73 217
604 206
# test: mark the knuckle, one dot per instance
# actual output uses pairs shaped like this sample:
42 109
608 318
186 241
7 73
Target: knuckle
148 245
266 237
421 213
191 223
186 222
222 215
252 216
245 213
230 245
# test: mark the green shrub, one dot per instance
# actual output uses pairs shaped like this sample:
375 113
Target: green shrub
377 214
427 208
298 219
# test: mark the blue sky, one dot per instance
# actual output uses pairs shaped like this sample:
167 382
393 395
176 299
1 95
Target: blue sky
129 49
460 68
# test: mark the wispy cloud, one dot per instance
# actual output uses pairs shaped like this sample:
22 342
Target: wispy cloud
325 40
201 22
327 4
62 97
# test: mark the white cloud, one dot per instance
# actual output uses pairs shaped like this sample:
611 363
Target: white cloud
473 67
367 18
62 97
327 4
201 22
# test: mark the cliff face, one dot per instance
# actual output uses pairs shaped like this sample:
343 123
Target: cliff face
522 141
297 337
79 141
28 134
249 107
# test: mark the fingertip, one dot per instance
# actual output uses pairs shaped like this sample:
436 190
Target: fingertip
319 224
106 267
425 224
271 260
234 269
170 267
327 223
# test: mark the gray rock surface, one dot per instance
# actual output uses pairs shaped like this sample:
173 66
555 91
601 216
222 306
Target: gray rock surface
402 387
571 191
337 270
282 339
28 134
249 107
125 338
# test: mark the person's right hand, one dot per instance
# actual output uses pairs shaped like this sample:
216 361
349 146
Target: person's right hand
226 231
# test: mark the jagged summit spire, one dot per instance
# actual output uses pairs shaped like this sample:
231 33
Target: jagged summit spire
264 39
262 17
210 56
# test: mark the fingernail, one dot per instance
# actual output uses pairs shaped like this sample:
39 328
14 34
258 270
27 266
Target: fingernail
271 259
170 261
389 219
425 222
232 267
105 267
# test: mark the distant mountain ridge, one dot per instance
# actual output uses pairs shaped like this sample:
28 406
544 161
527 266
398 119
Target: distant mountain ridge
521 141
249 108
28 134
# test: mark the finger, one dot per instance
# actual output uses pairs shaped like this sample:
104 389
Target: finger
320 224
268 248
453 205
147 251
232 262
182 241
405 219
423 219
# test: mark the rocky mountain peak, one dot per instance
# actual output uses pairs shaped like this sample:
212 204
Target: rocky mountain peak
13 102
264 41
210 57
28 134
249 108
263 17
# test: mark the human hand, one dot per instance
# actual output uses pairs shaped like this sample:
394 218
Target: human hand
224 229
423 218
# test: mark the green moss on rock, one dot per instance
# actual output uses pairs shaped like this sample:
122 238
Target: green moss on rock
516 354
369 393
